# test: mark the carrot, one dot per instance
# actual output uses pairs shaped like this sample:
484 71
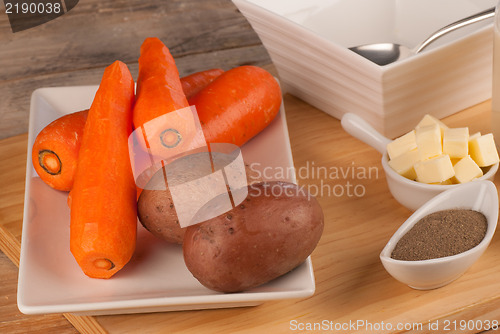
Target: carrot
55 150
160 92
159 88
193 83
103 224
237 105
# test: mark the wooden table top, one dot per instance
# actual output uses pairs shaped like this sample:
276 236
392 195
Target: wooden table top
74 49
351 283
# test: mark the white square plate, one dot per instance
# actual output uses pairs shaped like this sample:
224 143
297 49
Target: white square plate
156 279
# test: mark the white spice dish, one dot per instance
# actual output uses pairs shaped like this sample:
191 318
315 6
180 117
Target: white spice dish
480 196
409 193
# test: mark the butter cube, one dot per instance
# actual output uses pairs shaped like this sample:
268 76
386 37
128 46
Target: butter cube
474 136
456 142
403 164
401 145
483 150
445 182
466 170
428 140
429 120
434 170
471 138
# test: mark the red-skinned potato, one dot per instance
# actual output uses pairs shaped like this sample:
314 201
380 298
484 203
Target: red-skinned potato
155 207
270 233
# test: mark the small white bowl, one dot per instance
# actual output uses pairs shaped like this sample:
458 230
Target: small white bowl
481 196
409 193
309 41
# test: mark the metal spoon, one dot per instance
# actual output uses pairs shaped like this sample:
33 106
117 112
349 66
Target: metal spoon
387 53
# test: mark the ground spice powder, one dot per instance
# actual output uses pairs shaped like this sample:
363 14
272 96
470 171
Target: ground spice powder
440 234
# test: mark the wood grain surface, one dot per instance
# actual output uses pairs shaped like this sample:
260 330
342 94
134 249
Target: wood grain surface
351 282
352 285
11 320
75 48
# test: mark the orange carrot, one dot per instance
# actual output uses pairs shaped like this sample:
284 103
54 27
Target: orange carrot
193 83
103 224
55 150
160 92
237 105
159 88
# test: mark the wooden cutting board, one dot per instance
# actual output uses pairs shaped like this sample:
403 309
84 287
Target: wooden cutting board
352 285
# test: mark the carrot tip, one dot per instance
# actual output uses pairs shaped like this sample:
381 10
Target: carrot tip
50 162
170 138
104 263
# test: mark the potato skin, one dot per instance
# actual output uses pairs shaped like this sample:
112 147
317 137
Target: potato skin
270 233
156 213
155 207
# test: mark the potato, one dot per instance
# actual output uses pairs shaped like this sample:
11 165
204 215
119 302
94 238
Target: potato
155 207
270 233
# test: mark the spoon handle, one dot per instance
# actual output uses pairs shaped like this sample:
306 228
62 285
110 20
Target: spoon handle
362 130
490 12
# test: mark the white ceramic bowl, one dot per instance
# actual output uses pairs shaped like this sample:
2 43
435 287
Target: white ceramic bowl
481 196
409 193
309 42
